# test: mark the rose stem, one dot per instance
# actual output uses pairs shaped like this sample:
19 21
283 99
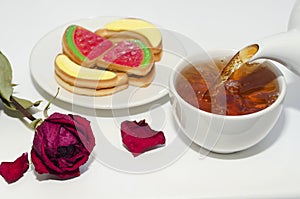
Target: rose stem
21 109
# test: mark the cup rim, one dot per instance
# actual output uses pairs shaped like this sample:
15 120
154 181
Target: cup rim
280 78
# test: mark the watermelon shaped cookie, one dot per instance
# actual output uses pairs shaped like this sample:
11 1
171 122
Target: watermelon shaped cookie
83 46
131 53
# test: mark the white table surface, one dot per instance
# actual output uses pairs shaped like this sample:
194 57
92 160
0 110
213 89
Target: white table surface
271 169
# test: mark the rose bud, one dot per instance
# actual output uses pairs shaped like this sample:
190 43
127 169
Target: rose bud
13 171
62 143
138 137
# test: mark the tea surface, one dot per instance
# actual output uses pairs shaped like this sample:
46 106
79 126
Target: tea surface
250 89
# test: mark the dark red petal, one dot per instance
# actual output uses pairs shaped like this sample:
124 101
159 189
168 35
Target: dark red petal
61 119
38 163
13 171
138 137
83 125
69 174
42 169
76 124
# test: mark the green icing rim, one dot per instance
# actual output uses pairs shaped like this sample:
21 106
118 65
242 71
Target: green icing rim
146 52
70 41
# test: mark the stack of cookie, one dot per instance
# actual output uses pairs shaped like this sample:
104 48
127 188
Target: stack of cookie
103 62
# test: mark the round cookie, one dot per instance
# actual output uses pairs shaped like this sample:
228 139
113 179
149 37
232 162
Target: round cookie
142 81
89 92
86 81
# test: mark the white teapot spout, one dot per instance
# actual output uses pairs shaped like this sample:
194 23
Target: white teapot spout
284 47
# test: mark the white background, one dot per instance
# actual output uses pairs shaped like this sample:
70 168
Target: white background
268 170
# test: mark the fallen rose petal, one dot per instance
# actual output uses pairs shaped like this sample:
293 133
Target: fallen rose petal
138 137
13 171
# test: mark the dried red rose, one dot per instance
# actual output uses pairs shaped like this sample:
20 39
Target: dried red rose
138 137
62 143
13 171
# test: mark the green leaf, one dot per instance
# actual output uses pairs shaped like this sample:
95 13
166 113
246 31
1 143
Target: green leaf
34 124
6 88
26 104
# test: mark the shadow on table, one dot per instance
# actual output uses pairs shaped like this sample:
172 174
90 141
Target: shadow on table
264 144
268 141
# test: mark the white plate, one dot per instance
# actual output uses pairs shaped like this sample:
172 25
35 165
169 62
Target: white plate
42 69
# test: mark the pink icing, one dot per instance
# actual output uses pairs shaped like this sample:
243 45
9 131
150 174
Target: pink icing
90 44
126 53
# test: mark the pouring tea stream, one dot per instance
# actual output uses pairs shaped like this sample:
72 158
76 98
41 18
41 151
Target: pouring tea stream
283 48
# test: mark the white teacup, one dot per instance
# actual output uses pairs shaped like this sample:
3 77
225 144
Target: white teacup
223 133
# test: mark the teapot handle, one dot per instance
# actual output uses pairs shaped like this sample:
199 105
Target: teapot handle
294 20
